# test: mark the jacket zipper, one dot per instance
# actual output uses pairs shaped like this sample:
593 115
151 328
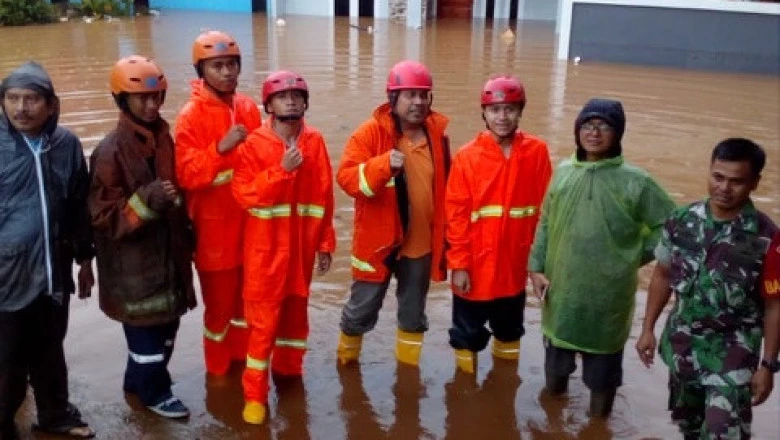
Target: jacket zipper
44 209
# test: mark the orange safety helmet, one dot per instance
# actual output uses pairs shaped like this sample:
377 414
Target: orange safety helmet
213 44
137 74
504 89
281 81
407 75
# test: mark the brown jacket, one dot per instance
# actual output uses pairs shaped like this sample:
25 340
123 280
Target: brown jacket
143 242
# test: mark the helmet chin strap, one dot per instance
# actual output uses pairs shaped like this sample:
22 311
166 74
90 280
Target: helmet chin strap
289 118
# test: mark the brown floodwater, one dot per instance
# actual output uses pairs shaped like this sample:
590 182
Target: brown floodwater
674 119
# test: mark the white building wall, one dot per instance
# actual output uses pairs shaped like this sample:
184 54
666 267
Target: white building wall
305 7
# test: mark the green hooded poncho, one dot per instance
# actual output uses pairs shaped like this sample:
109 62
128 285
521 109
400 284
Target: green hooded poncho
600 222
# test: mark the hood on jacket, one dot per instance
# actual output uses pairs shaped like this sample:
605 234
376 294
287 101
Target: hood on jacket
611 111
32 76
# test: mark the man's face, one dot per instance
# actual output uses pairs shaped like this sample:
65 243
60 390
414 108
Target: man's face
502 119
221 73
413 106
596 138
287 103
27 110
730 184
145 106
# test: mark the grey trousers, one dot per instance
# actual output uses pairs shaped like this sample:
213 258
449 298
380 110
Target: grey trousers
361 311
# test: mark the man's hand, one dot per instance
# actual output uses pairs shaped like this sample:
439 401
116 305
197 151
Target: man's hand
396 160
232 138
645 347
761 385
292 159
86 279
162 195
461 282
540 284
323 262
171 193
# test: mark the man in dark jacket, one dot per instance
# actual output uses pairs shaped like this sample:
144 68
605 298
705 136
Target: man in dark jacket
44 226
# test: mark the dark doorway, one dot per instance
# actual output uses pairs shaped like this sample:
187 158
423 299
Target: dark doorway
513 9
259 5
341 8
490 9
366 8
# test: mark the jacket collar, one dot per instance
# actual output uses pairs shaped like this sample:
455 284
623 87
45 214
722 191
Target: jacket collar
603 163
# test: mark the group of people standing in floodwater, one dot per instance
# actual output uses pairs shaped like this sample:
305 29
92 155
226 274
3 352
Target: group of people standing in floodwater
251 203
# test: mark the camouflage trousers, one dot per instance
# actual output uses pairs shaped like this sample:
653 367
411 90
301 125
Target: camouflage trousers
706 412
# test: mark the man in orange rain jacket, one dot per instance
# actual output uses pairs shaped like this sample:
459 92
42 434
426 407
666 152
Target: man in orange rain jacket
395 166
494 194
285 182
209 128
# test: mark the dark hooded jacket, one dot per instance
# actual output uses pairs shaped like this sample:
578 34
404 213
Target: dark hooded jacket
44 222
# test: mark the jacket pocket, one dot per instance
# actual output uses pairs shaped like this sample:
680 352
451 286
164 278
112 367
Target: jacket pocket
13 269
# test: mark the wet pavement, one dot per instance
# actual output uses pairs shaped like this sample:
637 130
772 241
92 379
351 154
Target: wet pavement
674 119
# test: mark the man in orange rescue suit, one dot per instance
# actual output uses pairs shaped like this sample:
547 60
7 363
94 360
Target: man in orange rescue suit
209 128
395 166
494 192
285 182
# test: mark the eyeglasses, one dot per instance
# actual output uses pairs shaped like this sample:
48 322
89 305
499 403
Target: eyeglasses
602 127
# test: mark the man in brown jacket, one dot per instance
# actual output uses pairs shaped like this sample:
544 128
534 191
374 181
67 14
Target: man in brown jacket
144 255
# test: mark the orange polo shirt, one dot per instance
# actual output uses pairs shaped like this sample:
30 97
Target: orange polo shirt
418 168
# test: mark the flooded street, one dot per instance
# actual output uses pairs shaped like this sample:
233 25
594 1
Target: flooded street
674 118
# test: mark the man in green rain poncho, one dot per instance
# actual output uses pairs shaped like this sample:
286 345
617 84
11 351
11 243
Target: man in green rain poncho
600 222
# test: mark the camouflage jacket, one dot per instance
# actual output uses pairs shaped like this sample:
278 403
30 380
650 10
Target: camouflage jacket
714 330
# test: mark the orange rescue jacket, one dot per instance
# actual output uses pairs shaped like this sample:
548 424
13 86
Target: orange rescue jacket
204 174
493 205
290 213
364 173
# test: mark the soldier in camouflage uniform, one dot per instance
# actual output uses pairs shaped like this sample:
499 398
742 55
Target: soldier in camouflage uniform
711 255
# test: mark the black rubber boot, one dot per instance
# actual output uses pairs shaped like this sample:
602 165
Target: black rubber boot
556 384
601 402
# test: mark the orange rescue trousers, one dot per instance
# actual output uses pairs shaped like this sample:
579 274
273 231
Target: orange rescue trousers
225 332
279 328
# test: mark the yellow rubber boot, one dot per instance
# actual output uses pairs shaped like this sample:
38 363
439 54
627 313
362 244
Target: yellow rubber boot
408 346
348 350
466 361
506 350
254 413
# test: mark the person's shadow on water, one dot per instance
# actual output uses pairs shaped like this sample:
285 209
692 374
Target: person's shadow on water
486 411
291 408
359 416
225 403
559 427
408 390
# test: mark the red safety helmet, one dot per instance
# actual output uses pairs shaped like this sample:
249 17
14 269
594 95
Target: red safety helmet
503 90
407 75
281 81
137 74
213 44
